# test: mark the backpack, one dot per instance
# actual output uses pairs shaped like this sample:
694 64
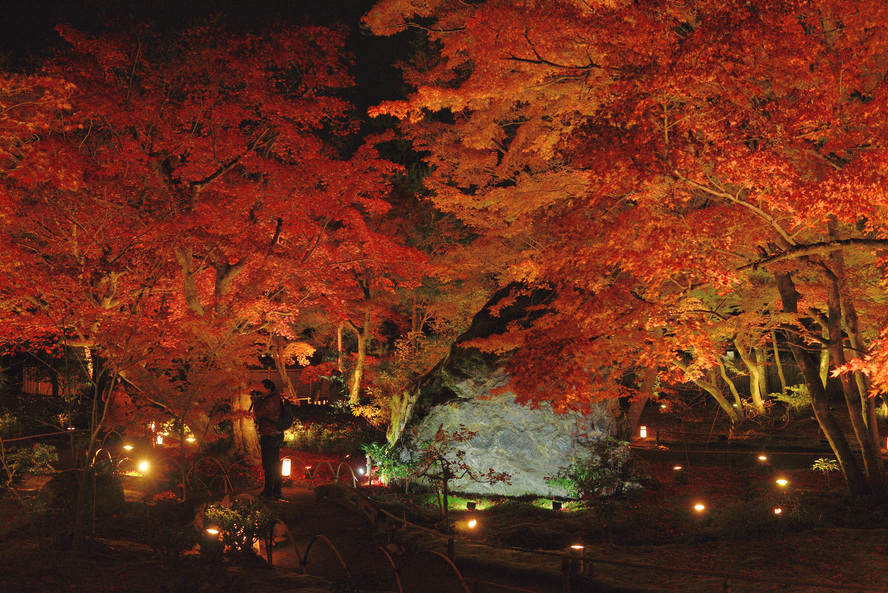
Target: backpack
288 415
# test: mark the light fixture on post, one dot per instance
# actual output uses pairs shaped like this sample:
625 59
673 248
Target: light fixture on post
286 467
763 464
471 505
576 557
211 545
679 475
556 505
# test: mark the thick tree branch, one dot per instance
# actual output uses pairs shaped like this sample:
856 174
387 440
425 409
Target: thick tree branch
822 248
199 186
189 286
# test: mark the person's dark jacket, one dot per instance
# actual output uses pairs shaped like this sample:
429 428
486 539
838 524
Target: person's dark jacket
267 410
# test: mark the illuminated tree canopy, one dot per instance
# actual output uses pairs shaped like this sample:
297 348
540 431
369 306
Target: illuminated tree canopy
689 177
177 201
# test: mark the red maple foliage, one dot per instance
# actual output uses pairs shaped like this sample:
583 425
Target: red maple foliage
200 196
691 178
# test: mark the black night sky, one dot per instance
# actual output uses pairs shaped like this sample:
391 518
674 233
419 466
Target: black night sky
27 30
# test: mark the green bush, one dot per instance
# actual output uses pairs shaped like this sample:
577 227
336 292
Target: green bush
240 525
598 473
34 459
335 435
387 461
10 426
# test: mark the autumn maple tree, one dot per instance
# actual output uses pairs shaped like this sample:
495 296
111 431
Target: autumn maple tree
199 199
691 178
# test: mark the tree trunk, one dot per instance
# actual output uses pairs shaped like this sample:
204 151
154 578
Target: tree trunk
778 362
868 404
761 359
854 478
244 436
738 402
755 380
645 393
855 401
712 389
280 363
339 363
363 334
823 370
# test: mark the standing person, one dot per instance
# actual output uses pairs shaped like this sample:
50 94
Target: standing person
267 410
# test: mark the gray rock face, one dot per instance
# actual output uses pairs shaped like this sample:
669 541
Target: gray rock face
530 444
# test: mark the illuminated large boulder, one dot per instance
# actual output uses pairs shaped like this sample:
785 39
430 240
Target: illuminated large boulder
530 444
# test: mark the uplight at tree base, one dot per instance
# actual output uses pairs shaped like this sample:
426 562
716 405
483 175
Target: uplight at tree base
143 467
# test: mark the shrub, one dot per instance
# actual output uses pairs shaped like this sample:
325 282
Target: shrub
599 473
240 525
387 461
10 426
334 435
36 459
